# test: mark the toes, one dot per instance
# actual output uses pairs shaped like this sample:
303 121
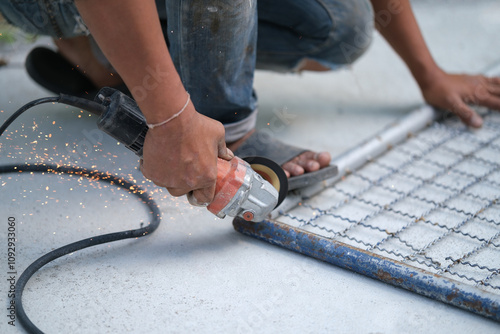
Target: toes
292 169
309 165
307 162
312 161
323 158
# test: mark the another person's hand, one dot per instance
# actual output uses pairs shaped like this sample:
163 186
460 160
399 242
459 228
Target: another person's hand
456 92
182 155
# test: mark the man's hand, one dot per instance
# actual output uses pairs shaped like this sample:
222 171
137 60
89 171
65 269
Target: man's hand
454 92
440 89
182 155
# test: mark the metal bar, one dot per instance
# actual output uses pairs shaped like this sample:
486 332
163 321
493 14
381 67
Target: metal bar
421 214
375 266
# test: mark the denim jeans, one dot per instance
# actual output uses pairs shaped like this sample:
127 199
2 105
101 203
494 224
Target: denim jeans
58 18
216 45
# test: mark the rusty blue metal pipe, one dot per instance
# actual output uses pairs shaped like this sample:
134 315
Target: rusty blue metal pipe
375 266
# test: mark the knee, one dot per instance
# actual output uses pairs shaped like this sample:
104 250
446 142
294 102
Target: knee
352 31
44 18
221 15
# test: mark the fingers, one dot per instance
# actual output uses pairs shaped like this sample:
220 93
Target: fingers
488 93
467 115
494 80
460 91
491 102
192 200
201 197
494 89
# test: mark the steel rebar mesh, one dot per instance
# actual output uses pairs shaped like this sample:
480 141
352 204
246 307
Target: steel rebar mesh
431 202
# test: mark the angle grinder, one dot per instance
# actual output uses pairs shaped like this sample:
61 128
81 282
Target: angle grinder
249 188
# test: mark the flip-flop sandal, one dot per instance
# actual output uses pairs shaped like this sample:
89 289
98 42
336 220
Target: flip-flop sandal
262 144
53 72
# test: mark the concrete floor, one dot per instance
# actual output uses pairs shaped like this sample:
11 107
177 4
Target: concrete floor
196 274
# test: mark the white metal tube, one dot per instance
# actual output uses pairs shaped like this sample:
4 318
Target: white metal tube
366 151
371 148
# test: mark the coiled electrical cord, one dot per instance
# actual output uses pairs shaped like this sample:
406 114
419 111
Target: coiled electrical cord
85 243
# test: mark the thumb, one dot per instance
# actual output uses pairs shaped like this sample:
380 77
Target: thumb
224 152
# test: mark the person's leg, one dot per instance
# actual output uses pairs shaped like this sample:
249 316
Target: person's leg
82 52
212 43
61 21
213 46
316 35
312 34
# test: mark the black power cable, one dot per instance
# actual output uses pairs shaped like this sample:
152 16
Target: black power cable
85 243
27 106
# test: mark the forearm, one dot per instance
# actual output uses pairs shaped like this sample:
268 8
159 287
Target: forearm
395 21
130 35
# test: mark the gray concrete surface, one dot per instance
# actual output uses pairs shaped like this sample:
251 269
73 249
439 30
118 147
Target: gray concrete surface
196 274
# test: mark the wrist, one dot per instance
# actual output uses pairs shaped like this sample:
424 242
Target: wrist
427 74
176 126
163 103
172 117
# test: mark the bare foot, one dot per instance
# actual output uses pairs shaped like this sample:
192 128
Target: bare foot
78 51
304 163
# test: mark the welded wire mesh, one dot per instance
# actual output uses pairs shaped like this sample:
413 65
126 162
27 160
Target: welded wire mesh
432 202
423 215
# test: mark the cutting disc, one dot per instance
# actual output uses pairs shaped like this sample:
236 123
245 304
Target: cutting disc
272 173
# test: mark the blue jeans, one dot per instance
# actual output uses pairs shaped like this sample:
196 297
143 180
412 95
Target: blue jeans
216 45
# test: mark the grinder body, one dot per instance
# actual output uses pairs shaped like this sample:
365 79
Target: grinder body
240 191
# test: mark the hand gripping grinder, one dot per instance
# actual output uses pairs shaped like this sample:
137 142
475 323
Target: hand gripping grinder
250 189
